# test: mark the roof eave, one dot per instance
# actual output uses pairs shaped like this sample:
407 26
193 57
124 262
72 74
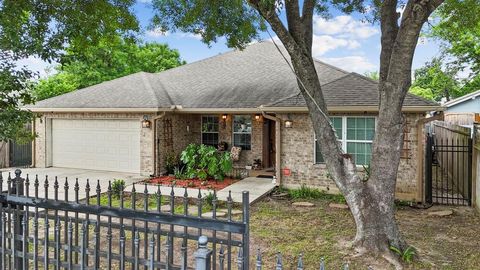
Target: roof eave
353 109
95 110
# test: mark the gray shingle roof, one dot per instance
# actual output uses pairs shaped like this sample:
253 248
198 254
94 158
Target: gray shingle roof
250 78
350 90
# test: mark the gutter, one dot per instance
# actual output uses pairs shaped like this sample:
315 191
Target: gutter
278 148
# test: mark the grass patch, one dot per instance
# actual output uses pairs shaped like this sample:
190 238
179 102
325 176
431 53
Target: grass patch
308 193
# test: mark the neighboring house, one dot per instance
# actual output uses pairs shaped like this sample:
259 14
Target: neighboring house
244 98
464 110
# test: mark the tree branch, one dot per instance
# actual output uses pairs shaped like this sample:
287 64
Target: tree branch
389 28
307 21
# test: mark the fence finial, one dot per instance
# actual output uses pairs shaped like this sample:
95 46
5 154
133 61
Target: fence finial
279 265
18 172
258 263
203 255
300 262
322 264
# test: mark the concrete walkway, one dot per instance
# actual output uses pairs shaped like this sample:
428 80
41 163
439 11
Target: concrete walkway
257 188
71 174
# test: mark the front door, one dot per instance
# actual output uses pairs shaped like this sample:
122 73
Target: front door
268 143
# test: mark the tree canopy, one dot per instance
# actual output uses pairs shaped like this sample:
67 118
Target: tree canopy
111 58
456 25
43 29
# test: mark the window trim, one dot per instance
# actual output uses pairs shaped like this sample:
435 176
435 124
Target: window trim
233 130
209 132
344 141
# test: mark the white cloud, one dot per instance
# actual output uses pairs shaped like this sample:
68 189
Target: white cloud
36 64
157 33
345 26
357 64
325 43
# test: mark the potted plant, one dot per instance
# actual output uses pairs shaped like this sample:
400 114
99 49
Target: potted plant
257 164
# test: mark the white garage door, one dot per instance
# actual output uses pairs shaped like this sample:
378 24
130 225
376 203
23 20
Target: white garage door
111 145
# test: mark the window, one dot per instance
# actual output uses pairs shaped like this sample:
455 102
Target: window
210 130
356 135
242 131
337 124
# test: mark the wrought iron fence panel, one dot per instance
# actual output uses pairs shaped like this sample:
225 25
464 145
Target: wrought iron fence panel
135 230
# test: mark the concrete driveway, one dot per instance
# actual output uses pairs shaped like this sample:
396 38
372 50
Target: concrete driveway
71 175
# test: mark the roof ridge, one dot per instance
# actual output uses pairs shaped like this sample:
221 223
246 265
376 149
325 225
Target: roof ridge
291 96
361 76
208 58
283 99
93 85
148 85
330 65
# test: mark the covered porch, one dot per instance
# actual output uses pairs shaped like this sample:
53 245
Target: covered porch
254 133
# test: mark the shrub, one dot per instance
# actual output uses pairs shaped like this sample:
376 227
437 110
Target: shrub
118 185
305 192
205 162
171 162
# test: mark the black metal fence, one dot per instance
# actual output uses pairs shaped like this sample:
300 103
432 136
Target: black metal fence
448 171
103 231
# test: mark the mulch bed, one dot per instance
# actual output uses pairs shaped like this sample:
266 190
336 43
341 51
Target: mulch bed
192 183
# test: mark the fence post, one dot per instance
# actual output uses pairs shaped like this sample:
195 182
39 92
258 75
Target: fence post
428 169
203 255
246 235
18 190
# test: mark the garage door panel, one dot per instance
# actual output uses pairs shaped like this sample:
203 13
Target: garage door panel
112 145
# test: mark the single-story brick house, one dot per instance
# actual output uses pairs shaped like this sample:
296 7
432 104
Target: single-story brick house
246 98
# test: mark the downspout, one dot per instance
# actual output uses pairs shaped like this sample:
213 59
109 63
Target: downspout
278 142
155 144
420 154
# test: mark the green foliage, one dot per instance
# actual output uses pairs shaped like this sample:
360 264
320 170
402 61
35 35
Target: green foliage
366 171
305 192
374 75
406 255
457 27
209 199
118 185
14 93
30 28
171 162
435 81
110 59
44 29
206 162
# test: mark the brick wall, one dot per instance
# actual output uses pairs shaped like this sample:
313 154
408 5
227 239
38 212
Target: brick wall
298 155
186 129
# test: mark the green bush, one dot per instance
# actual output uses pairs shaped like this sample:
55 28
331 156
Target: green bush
305 192
118 185
205 162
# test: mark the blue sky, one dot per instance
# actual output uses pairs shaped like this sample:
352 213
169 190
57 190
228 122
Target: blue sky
344 41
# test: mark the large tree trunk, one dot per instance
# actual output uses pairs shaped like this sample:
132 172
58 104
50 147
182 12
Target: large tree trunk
371 202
